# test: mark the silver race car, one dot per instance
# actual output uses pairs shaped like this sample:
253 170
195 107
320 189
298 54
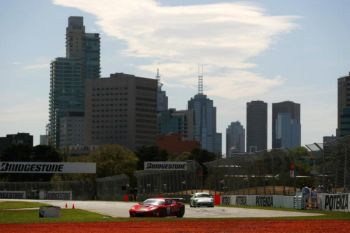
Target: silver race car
201 199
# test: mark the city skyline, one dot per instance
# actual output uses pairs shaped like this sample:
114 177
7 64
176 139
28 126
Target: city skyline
299 56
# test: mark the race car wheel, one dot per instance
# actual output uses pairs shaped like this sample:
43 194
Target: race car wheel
162 213
181 213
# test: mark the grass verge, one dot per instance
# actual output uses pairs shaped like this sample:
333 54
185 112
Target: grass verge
15 212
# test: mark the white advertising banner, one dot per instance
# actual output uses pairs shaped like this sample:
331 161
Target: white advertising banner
334 202
259 200
165 165
46 167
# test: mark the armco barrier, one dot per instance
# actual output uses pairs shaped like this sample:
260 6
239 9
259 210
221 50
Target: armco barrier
58 195
277 201
12 195
334 202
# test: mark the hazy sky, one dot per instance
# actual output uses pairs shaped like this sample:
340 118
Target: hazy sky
268 50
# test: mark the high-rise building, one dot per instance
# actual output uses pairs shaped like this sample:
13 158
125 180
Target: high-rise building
235 139
287 131
162 98
15 139
205 120
256 126
44 140
172 121
68 75
286 128
121 110
72 129
343 106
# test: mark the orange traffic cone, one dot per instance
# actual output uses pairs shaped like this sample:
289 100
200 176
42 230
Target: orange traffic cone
73 207
66 206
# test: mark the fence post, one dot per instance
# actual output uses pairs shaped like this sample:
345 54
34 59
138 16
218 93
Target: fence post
345 166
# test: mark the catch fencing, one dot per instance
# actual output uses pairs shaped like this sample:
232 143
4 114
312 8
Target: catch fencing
269 172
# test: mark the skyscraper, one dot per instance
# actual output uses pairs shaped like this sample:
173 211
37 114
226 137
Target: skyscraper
121 110
286 128
68 75
162 98
256 126
235 138
205 120
172 121
343 106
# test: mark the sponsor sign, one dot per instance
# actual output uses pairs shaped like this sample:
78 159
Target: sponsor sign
264 201
226 200
336 202
160 165
49 212
241 200
59 195
12 194
46 167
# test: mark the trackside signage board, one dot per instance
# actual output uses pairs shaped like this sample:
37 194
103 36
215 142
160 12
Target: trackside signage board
46 167
277 201
169 166
335 202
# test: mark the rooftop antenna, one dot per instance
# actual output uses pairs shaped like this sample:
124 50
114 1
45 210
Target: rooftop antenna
200 80
158 79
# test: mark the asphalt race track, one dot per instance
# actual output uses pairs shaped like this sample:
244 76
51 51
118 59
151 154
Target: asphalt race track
121 209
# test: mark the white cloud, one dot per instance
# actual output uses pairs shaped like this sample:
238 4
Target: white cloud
223 36
24 110
23 114
37 66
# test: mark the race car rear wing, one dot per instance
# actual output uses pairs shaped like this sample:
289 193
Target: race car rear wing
178 199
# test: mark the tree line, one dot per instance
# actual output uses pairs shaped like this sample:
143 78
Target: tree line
110 160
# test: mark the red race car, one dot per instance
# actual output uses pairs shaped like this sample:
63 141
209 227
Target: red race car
159 207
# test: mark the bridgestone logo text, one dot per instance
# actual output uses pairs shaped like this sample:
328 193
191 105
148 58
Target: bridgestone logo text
164 166
47 167
337 202
8 167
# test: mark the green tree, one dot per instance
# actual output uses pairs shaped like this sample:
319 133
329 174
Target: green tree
202 156
182 157
43 153
150 153
113 160
110 160
25 153
17 153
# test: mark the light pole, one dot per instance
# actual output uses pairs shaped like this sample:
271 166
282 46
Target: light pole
345 166
323 165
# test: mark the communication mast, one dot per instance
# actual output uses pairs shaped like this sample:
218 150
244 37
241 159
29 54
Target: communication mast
200 80
158 79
